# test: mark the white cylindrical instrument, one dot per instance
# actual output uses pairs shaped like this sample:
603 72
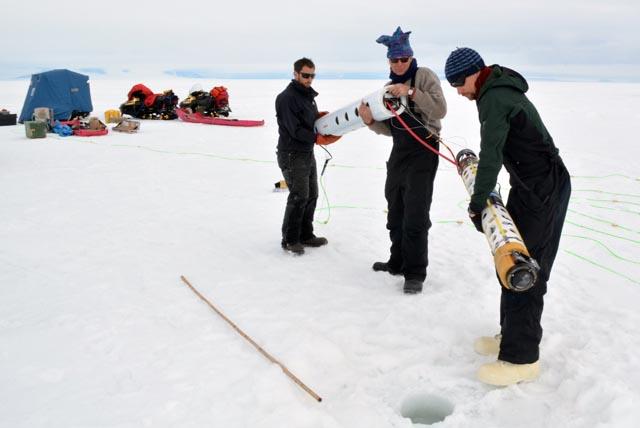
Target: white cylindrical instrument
347 119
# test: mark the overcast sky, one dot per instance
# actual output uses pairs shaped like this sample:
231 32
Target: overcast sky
549 38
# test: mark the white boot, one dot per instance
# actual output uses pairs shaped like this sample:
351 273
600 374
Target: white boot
487 345
502 373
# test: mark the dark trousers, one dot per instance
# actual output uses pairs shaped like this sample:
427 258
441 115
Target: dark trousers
540 224
301 175
409 191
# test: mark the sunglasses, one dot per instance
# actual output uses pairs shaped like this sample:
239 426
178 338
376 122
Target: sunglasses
397 60
308 75
459 81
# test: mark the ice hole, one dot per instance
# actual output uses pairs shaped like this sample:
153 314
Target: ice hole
426 409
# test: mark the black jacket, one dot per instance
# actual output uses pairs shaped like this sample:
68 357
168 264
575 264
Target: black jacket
297 113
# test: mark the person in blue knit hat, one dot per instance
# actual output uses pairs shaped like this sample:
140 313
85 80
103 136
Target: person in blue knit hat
411 168
513 134
462 63
397 44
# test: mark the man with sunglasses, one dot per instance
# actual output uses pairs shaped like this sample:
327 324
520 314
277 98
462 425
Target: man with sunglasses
512 134
411 168
297 113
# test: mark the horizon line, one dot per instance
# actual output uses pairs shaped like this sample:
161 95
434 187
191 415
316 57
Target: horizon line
332 75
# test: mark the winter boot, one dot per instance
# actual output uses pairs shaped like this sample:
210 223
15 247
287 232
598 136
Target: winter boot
384 267
412 286
502 373
487 345
316 241
297 248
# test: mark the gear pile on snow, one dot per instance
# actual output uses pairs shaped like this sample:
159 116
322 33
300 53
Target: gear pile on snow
87 127
214 103
142 103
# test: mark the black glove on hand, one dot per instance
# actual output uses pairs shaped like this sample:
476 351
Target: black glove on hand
475 215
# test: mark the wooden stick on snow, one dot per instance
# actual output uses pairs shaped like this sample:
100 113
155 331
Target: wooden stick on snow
258 347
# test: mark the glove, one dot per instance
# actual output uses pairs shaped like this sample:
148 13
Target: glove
476 217
324 140
322 113
62 130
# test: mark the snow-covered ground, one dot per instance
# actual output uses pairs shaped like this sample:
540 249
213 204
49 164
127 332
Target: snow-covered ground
98 330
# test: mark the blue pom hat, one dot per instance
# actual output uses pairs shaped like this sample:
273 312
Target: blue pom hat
462 62
397 44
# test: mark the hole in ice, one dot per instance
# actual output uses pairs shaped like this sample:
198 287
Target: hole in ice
425 409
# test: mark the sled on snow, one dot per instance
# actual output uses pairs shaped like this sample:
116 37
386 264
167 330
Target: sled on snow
195 117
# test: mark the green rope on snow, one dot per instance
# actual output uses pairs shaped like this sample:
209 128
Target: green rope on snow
603 233
612 224
602 267
615 202
604 193
599 177
609 250
615 209
326 198
210 155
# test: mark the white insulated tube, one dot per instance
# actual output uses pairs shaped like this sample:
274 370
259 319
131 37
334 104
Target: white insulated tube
347 119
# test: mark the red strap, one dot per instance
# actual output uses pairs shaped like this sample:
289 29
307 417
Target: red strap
424 143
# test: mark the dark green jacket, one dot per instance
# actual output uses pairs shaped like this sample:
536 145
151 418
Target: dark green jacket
512 134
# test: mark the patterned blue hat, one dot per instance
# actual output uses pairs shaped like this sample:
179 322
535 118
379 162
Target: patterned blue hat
462 62
398 44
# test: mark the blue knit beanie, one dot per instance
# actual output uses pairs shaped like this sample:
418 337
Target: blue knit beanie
397 44
462 62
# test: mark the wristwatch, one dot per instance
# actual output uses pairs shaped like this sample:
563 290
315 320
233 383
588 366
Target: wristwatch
412 91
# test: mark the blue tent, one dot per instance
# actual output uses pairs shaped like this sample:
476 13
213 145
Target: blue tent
63 91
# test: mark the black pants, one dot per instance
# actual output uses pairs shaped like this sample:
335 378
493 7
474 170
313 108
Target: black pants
540 224
409 191
301 175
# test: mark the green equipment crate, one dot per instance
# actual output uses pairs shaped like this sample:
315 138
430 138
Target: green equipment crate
35 129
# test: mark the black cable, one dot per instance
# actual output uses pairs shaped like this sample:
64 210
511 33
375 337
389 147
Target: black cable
326 161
